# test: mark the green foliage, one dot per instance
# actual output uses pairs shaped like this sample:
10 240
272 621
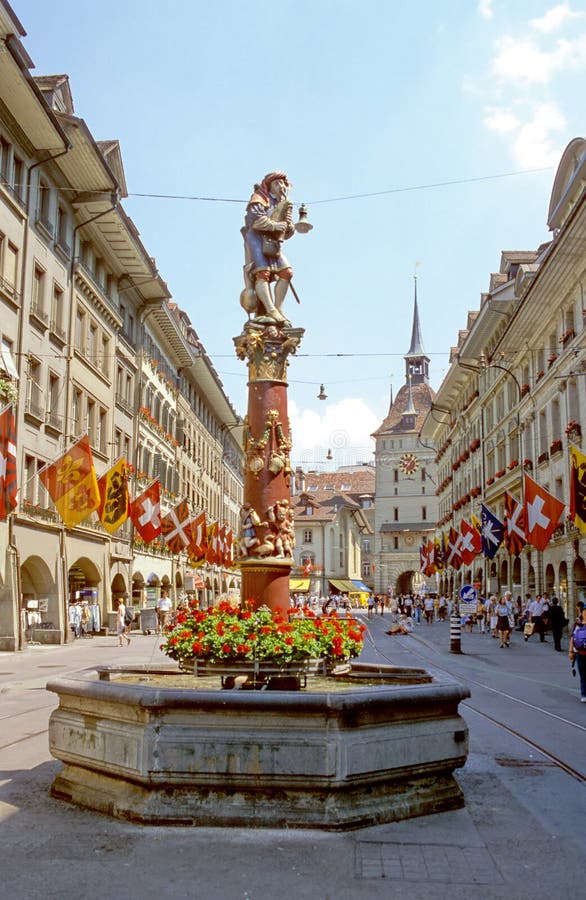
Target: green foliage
231 634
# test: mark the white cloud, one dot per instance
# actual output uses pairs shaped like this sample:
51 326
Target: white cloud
533 145
344 428
485 9
500 120
554 18
531 140
522 60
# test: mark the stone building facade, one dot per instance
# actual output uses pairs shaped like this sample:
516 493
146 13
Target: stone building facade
91 342
514 399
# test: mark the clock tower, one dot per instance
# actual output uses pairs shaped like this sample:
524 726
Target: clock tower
405 498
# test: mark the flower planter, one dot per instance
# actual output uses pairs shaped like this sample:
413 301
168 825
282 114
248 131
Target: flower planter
258 669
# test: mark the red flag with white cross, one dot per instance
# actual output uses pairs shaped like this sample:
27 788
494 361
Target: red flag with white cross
145 512
176 527
471 543
542 513
514 537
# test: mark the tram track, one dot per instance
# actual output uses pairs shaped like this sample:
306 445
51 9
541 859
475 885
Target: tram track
547 754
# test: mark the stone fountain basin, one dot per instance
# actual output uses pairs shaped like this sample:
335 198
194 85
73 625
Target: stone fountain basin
349 757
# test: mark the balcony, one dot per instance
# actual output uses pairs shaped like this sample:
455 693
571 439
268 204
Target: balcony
53 422
38 314
8 289
124 404
63 249
33 405
57 331
44 225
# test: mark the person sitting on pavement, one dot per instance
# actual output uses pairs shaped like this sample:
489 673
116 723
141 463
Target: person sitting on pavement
403 626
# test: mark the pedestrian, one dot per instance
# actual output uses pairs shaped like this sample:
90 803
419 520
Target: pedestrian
75 618
503 611
370 606
492 615
163 609
558 622
481 615
121 626
428 608
536 618
577 651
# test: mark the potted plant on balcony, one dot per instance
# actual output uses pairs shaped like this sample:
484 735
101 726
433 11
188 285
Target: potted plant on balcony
574 429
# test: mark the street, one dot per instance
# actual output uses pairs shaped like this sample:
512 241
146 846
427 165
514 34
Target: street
520 835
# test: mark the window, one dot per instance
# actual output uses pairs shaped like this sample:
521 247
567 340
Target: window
53 397
101 433
423 513
395 474
7 364
308 536
4 160
396 543
90 421
44 198
366 545
17 177
38 291
62 231
33 388
92 344
57 311
10 267
79 329
308 510
104 362
395 513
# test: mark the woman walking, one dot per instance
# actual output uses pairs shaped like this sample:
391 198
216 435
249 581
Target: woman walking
503 626
121 626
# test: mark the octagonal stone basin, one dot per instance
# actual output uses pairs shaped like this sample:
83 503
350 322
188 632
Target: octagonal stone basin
358 754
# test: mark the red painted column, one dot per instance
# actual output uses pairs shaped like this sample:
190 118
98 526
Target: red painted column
266 539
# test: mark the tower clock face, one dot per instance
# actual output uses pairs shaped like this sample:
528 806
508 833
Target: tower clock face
409 464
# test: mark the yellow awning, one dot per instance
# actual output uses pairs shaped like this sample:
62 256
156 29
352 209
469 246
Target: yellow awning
299 584
346 587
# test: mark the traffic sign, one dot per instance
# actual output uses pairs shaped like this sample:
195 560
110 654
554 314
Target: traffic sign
468 593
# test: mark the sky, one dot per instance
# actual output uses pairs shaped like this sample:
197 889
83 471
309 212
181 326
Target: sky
424 138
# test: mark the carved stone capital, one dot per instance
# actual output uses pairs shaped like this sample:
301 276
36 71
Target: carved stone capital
266 348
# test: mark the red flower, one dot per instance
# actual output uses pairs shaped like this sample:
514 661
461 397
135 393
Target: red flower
246 614
220 630
226 648
197 647
242 648
181 618
266 629
288 641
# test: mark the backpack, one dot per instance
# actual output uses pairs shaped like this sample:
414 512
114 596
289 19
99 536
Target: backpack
579 638
128 616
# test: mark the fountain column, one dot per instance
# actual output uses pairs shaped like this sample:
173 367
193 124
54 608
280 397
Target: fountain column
267 536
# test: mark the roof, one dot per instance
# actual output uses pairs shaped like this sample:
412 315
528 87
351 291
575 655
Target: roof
422 396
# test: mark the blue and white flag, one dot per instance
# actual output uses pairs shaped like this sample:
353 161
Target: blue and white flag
492 532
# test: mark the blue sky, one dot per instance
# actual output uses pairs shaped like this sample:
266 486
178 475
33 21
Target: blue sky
377 98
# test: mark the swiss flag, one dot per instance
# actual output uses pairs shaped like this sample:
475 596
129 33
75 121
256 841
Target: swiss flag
471 543
145 512
542 513
454 542
8 481
514 537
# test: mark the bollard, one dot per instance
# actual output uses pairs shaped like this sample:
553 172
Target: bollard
455 634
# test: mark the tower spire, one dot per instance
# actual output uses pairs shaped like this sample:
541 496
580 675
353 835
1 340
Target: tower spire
416 362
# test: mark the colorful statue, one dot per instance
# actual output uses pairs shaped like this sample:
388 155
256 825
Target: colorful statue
267 224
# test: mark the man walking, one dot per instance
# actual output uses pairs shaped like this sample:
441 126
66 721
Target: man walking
536 617
558 621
